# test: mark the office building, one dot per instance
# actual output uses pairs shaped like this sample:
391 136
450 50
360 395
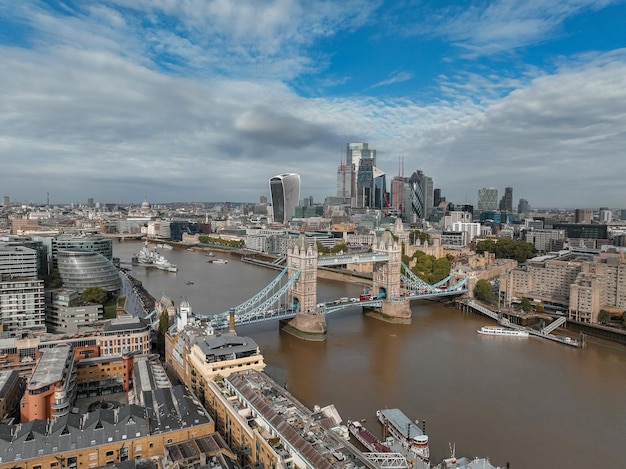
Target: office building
356 153
285 195
487 199
398 195
583 215
605 216
506 202
523 207
455 216
419 191
81 269
583 230
472 229
66 312
90 242
344 181
17 261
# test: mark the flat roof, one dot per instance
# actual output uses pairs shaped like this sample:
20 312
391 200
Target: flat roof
49 370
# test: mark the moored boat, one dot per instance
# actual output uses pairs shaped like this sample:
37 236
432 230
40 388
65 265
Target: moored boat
151 258
502 331
406 432
366 438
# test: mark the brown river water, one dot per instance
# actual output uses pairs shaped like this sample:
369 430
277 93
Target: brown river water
526 401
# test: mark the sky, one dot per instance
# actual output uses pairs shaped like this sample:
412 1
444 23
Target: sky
206 100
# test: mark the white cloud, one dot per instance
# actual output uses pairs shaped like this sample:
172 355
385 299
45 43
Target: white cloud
485 27
396 77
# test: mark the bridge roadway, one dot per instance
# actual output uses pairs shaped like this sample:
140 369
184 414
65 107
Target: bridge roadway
221 321
275 301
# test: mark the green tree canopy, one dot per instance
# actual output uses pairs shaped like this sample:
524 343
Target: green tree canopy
429 268
53 280
94 295
506 248
482 291
423 236
604 317
526 305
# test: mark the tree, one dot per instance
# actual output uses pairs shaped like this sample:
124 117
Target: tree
482 291
525 304
94 295
413 235
53 280
604 317
506 248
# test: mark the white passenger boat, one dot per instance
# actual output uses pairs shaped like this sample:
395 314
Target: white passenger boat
502 331
217 260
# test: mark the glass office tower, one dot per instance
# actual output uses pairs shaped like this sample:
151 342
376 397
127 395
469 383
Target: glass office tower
285 193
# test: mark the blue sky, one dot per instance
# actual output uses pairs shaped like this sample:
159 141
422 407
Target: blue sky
207 99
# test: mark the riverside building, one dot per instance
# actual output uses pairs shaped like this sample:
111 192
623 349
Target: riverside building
266 423
109 338
102 437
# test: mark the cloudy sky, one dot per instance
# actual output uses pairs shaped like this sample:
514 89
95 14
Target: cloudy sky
205 100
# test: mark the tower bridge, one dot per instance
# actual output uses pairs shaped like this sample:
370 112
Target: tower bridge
291 297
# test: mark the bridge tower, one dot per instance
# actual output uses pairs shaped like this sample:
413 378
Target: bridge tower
308 323
387 283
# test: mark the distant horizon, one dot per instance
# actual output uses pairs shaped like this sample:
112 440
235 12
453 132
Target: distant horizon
84 203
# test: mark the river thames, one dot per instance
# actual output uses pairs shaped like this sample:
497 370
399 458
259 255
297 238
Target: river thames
527 401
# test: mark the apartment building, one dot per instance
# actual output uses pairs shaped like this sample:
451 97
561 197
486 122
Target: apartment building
600 285
546 280
272 429
51 389
22 305
105 437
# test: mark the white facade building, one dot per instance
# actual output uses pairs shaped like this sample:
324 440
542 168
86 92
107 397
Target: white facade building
472 229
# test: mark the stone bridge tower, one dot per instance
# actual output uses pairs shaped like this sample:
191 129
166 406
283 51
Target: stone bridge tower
303 257
309 323
386 275
386 279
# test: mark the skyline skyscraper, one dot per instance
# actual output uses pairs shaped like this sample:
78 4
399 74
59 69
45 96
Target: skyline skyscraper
523 207
355 154
285 194
506 202
419 193
487 199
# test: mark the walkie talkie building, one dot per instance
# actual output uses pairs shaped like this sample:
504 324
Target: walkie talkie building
285 193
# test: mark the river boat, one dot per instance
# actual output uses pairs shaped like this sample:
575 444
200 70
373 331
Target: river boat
366 438
150 258
502 331
407 433
217 260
